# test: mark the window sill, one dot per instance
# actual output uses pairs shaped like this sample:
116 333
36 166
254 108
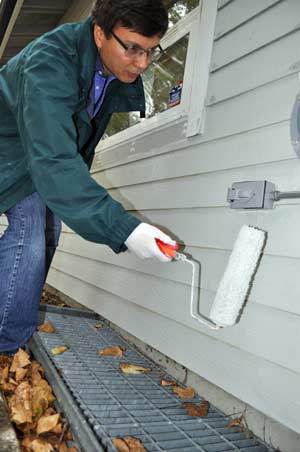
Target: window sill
147 126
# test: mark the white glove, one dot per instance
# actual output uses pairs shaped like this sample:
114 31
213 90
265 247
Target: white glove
142 242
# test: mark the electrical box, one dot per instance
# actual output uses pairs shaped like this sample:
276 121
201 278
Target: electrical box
251 195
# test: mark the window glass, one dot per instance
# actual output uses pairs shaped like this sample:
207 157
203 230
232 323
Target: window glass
118 122
164 77
163 87
163 80
179 8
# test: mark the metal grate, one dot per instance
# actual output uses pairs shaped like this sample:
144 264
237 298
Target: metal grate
119 405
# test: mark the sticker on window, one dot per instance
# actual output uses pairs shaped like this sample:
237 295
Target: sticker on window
175 94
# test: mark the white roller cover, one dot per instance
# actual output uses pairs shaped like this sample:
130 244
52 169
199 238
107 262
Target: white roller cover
237 277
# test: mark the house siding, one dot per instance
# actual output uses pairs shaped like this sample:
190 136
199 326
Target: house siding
180 184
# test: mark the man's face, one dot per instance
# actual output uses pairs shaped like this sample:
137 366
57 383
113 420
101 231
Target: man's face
113 56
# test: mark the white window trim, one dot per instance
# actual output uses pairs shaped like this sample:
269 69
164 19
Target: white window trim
205 33
200 24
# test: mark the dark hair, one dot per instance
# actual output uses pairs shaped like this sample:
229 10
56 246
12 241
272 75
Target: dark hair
146 17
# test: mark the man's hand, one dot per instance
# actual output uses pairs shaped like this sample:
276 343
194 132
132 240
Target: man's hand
142 242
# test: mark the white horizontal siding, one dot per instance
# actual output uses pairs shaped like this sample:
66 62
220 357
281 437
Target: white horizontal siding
270 143
239 12
266 105
171 299
223 3
268 289
269 26
180 185
205 190
270 63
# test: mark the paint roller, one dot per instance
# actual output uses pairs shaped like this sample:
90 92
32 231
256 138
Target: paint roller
235 283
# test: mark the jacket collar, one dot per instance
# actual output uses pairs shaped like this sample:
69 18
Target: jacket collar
87 52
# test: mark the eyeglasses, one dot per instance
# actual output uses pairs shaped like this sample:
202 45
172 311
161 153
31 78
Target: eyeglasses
135 51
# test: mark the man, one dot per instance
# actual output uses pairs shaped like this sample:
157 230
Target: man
56 99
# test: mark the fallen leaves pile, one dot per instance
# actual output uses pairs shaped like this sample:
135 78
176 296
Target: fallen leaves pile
30 400
192 409
131 444
52 299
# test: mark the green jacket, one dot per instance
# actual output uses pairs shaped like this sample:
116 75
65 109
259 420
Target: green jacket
47 140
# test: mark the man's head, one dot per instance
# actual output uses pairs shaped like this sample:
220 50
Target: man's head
127 34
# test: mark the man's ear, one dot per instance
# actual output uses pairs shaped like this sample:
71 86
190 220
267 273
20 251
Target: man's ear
99 36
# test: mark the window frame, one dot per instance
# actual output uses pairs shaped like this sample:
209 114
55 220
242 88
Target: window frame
200 25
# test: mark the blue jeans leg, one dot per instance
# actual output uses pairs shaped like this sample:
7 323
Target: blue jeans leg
23 270
53 230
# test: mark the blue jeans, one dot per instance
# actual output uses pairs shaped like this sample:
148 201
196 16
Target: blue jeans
26 251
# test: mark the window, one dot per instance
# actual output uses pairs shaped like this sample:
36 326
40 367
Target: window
160 80
179 9
175 85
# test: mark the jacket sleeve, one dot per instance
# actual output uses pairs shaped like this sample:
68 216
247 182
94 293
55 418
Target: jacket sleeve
48 98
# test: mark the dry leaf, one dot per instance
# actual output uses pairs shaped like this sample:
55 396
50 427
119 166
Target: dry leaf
4 375
133 369
134 444
47 327
27 441
58 350
7 388
63 447
5 360
58 429
128 444
204 408
49 411
52 439
36 367
20 374
167 383
40 445
73 449
36 372
184 393
120 445
27 429
42 396
21 359
69 436
197 410
20 404
47 423
237 422
112 351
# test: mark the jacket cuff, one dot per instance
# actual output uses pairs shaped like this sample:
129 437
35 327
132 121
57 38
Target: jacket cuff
123 229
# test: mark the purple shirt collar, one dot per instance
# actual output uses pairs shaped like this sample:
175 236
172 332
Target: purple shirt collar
98 89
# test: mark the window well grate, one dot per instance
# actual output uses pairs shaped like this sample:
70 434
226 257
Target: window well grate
114 404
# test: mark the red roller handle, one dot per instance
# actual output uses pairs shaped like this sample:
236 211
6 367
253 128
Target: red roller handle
166 248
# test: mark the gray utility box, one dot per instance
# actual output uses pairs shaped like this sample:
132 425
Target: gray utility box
251 195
